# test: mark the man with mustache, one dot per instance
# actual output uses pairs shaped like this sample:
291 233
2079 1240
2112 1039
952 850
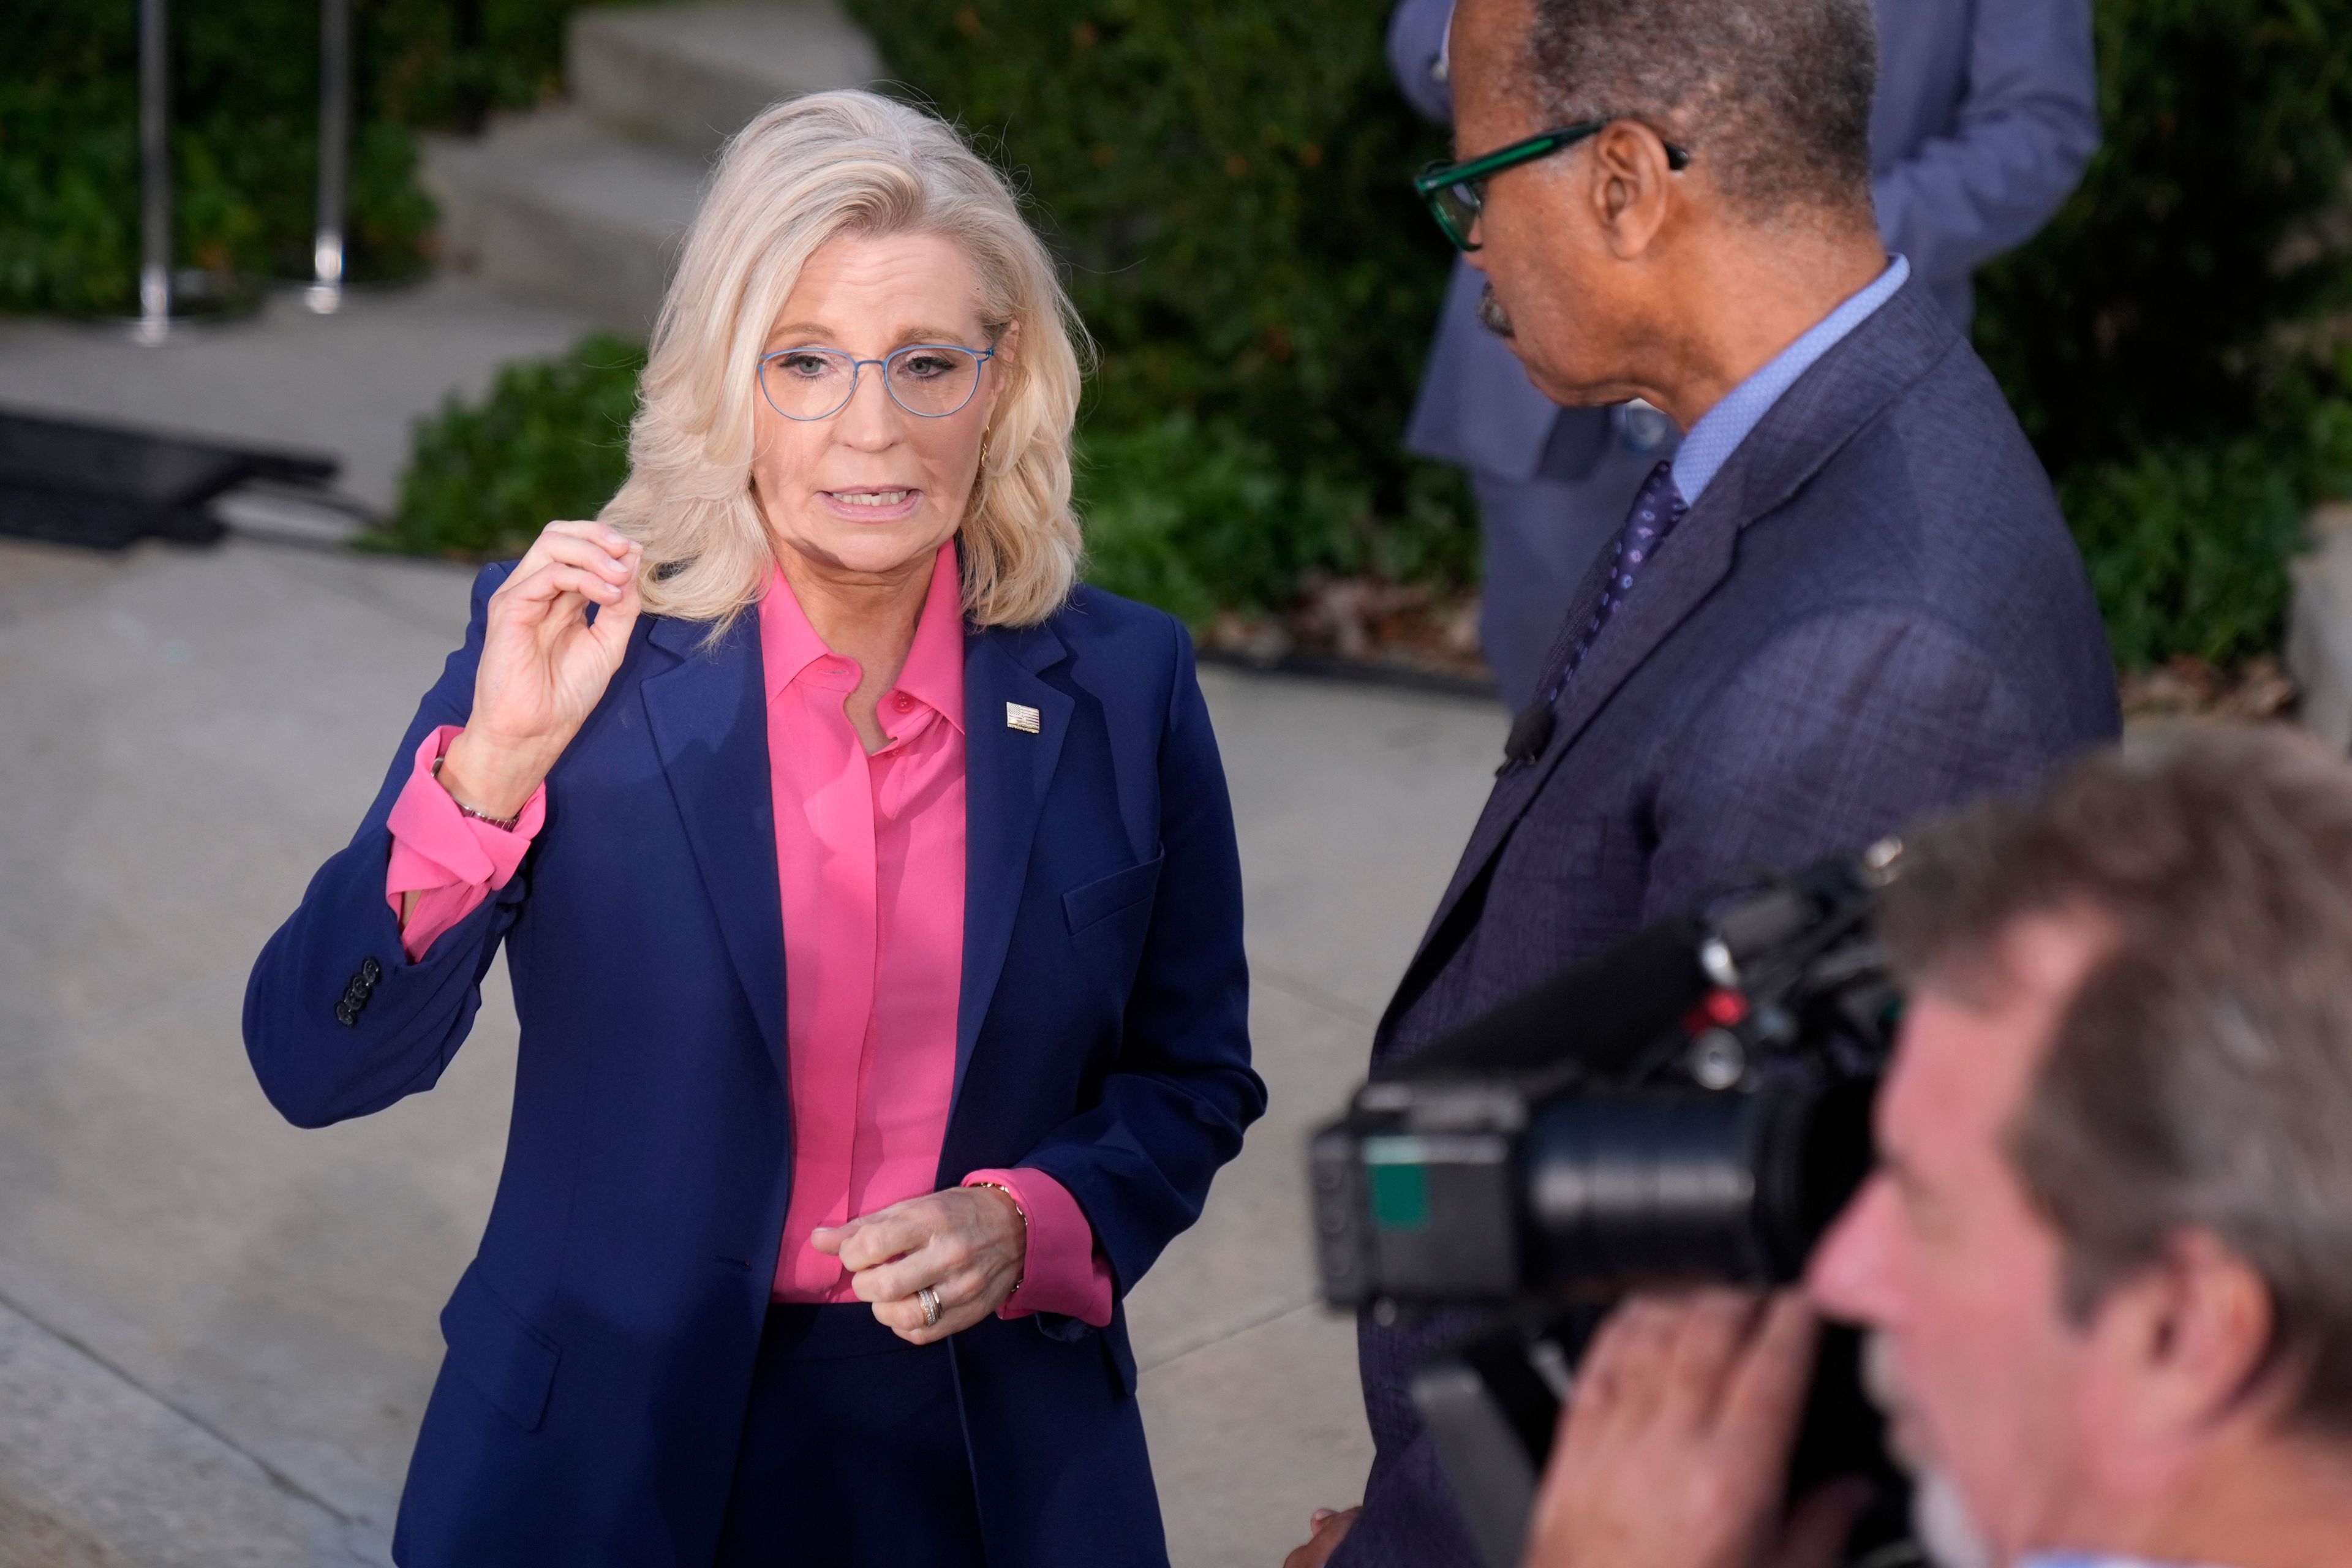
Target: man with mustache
1847 600
1985 115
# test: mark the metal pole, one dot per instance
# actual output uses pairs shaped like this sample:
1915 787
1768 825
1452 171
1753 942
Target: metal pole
155 174
326 291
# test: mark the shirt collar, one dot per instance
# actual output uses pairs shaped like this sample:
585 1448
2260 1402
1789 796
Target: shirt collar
1721 428
934 670
788 644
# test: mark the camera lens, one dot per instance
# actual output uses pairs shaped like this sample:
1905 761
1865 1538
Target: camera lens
1727 1186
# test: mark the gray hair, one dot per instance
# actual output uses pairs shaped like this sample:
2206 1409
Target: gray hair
2202 1075
1772 94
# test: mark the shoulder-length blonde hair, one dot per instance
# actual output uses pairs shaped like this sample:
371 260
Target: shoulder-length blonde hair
805 171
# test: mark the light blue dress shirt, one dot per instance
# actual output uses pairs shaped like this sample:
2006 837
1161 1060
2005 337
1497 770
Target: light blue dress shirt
1719 431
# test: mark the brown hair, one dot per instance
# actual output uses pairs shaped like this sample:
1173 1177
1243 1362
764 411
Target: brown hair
2201 1077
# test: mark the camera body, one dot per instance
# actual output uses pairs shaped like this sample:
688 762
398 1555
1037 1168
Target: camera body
1692 1105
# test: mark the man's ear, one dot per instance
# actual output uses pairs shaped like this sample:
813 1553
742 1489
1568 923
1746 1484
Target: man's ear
1631 191
2181 1350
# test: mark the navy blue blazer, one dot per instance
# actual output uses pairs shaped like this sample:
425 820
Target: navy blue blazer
1985 117
1872 613
603 1341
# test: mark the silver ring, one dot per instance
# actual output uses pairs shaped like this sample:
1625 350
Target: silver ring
930 1300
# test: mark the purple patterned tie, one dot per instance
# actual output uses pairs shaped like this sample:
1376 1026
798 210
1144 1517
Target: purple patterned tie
1656 510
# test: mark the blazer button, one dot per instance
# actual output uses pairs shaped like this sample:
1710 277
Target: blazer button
371 971
355 995
346 1015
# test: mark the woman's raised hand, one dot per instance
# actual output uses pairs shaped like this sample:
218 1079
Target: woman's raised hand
543 666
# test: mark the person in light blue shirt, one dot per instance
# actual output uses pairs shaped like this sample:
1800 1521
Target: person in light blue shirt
1985 116
2107 1250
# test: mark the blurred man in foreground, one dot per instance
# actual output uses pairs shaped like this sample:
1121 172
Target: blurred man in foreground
1986 114
1847 601
2109 1245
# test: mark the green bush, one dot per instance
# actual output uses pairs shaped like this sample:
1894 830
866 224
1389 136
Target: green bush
245 105
1227 185
2148 338
551 440
2188 542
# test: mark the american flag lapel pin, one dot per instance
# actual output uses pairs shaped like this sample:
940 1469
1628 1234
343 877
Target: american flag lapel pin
1024 718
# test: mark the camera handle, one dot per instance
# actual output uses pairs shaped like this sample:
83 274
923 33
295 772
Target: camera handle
1491 1404
1486 1463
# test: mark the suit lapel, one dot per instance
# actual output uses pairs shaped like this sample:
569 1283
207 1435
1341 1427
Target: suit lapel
1006 774
708 719
1802 431
1694 560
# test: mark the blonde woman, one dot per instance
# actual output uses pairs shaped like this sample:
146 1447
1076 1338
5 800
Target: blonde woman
870 896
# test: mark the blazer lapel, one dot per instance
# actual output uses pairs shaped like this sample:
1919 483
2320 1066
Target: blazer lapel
708 718
1006 771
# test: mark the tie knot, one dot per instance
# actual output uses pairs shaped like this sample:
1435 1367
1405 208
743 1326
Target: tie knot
1659 493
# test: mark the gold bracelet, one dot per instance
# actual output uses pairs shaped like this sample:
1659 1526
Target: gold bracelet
1013 1198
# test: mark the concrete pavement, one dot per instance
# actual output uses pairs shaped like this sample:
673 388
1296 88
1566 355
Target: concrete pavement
216 1332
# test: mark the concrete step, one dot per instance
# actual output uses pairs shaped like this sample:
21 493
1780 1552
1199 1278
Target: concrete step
555 205
585 203
2319 627
693 75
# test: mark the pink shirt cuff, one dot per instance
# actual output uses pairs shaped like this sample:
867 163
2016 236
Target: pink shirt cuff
1063 1272
449 860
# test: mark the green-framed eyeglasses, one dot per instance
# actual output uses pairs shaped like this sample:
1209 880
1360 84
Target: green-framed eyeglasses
1453 190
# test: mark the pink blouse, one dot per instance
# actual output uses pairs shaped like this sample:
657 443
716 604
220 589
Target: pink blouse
870 864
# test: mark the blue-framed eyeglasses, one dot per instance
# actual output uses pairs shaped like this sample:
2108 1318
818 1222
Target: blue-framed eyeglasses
930 381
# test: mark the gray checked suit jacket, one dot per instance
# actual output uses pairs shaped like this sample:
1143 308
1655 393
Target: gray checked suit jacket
1873 612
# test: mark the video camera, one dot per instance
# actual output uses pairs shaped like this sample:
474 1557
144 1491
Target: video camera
1691 1105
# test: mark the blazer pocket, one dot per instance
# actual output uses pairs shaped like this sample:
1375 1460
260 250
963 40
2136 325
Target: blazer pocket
1105 896
510 1363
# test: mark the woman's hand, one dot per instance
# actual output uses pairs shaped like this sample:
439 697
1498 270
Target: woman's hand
543 666
967 1243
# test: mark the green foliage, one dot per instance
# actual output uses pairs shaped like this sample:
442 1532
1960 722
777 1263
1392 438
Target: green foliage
246 104
1199 518
2146 313
549 441
2188 543
2147 338
1227 185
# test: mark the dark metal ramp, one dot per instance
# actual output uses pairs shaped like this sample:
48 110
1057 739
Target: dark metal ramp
104 486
